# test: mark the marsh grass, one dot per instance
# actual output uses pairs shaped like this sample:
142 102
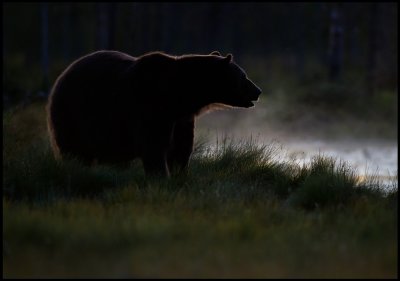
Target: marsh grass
239 212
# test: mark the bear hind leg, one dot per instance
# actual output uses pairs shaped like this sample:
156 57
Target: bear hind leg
182 146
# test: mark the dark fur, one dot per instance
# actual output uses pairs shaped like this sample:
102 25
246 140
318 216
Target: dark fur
108 107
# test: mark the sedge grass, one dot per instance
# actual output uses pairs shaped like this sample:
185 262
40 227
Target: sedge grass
237 213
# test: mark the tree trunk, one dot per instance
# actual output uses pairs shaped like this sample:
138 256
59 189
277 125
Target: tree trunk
335 53
66 43
44 16
372 49
105 18
211 25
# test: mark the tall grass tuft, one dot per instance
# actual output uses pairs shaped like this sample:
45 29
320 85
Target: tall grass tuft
239 170
325 183
34 175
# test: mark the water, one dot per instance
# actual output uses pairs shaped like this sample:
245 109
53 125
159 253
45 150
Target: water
370 156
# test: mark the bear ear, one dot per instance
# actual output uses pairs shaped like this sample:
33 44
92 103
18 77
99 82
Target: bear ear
216 53
229 58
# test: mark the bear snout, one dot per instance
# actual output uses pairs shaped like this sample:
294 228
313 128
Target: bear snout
255 93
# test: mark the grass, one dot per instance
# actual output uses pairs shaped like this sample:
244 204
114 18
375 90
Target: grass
240 212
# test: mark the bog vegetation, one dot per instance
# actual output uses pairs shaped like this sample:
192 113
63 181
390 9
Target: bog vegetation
240 212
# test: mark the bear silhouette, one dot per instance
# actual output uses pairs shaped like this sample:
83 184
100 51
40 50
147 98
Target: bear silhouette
108 107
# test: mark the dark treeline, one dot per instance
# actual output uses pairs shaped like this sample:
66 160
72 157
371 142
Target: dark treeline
40 39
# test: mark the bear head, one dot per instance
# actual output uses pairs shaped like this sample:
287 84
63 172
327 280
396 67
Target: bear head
231 83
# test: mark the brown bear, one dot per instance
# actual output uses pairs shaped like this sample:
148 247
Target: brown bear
109 107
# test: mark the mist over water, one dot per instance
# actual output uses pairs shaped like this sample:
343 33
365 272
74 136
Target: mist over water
368 153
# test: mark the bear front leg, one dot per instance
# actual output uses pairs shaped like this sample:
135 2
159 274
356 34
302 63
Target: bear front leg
155 164
182 145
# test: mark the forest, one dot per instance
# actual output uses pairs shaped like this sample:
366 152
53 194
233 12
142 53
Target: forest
352 45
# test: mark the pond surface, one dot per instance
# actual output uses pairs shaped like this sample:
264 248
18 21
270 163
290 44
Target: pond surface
370 156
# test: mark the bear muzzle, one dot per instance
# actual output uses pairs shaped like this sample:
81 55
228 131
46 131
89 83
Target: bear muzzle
254 95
